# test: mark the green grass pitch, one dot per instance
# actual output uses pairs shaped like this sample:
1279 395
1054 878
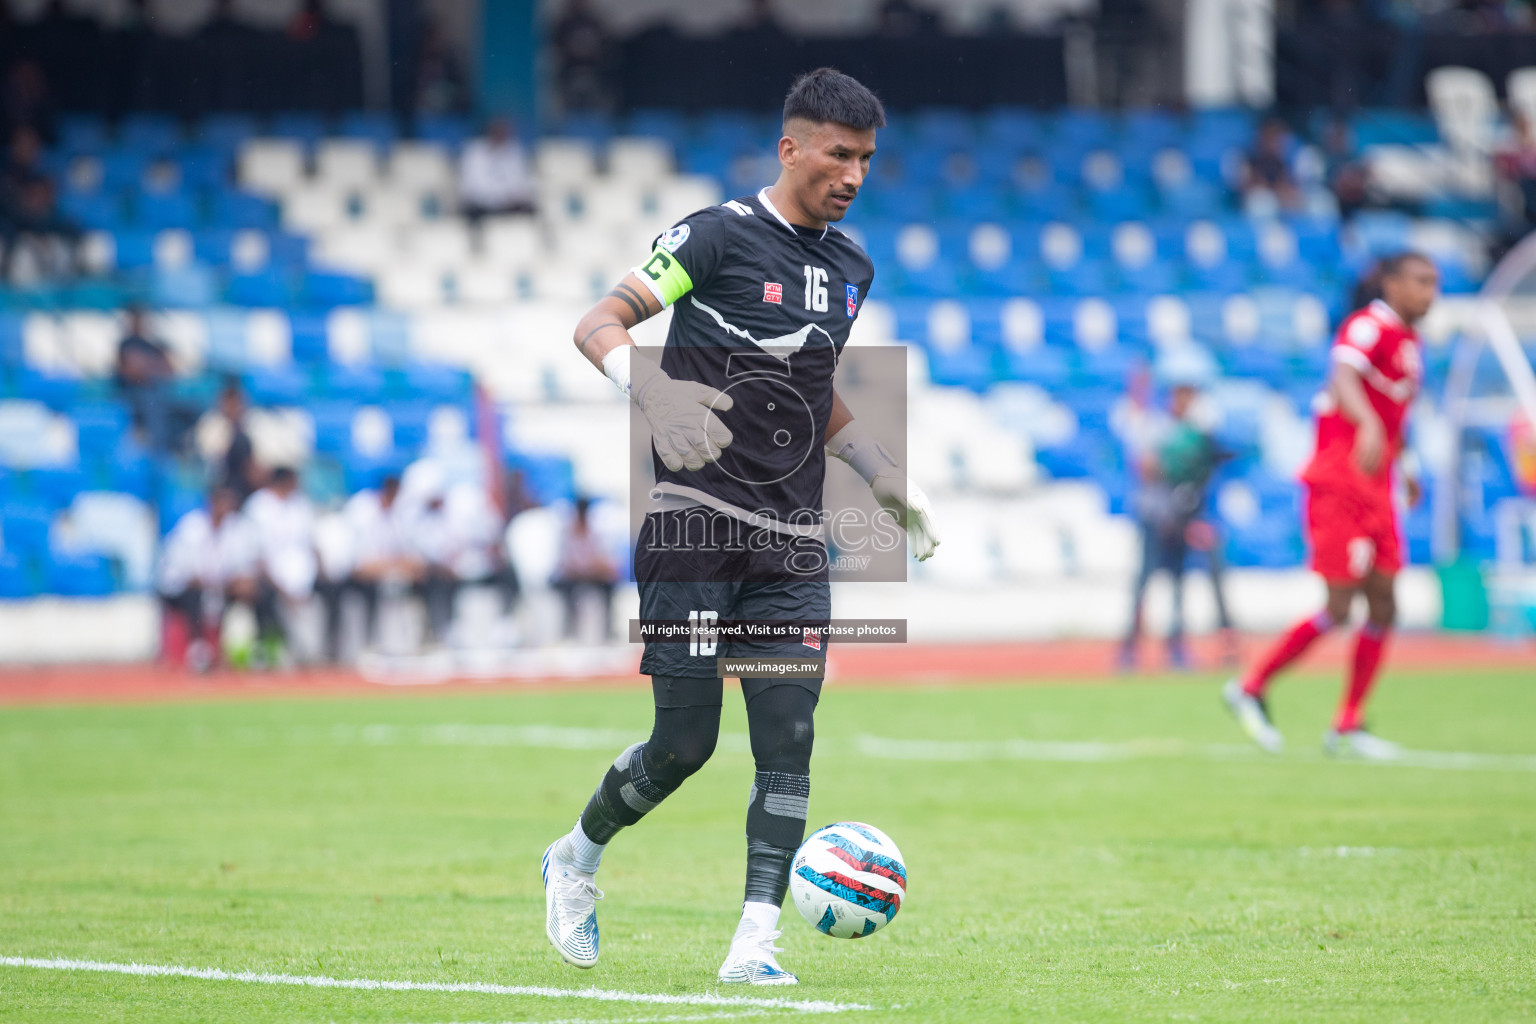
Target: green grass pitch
1076 853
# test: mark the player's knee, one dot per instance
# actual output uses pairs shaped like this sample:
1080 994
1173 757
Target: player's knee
681 756
1383 611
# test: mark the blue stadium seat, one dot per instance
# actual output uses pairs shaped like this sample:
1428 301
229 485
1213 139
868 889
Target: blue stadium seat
261 288
362 471
99 427
101 210
301 127
212 245
374 126
1011 128
328 289
157 210
82 575
83 133
549 478
333 424
431 383
58 393
226 132
451 130
11 346
232 208
284 386
134 248
130 471
18 580
665 124
152 134
189 287
310 340
25 526
354 385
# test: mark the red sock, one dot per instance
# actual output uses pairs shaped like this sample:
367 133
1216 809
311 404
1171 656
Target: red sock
1368 651
1286 651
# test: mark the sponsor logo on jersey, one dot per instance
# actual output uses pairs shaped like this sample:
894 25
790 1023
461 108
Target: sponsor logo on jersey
812 639
773 292
853 300
674 238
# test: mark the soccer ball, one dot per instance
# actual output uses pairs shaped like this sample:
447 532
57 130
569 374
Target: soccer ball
848 880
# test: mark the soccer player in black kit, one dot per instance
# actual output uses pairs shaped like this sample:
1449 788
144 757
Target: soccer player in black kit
742 414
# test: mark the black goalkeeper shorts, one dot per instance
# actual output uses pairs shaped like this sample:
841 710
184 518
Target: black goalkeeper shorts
697 566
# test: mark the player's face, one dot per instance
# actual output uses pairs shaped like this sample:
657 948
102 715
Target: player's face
827 164
1413 289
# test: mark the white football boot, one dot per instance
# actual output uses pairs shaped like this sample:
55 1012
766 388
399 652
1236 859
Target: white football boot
751 960
1253 716
570 906
1361 744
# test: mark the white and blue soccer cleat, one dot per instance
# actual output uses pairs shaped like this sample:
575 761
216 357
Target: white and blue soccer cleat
1253 716
570 905
751 961
1361 744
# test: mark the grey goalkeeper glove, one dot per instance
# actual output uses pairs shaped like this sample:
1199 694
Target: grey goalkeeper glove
685 428
893 490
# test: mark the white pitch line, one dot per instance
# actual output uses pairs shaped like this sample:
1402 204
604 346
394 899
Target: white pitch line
1104 752
475 987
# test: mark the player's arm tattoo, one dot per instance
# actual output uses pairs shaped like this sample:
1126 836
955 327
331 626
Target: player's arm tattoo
581 346
631 298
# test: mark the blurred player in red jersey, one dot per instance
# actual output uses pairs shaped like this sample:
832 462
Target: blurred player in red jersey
1377 371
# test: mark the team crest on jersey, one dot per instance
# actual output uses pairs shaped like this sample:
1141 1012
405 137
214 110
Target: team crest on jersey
773 292
812 639
853 300
674 238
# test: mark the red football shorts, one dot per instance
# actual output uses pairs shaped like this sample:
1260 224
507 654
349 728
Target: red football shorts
1353 534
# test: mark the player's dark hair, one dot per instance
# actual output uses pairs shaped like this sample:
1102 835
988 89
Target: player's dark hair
827 96
283 475
1392 264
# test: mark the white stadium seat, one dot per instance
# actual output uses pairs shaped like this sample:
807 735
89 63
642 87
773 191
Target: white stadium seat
360 248
268 338
512 241
565 160
420 167
410 286
351 164
1465 107
685 194
484 283
271 166
91 341
314 208
640 159
444 244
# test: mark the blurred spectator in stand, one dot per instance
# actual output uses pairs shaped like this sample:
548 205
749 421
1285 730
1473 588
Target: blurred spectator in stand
284 522
1267 175
210 560
1515 164
899 19
382 557
1130 38
38 240
518 498
308 22
28 101
585 567
458 535
1176 459
225 444
441 85
494 173
1344 172
581 47
143 375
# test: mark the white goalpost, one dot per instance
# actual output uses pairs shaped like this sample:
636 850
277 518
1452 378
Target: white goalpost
1477 397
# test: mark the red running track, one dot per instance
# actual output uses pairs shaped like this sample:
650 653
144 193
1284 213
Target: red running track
1055 662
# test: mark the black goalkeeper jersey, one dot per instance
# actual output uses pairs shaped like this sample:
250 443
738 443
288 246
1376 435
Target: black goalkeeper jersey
761 311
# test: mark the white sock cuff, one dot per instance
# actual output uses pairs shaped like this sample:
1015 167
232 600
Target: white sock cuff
764 916
585 854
